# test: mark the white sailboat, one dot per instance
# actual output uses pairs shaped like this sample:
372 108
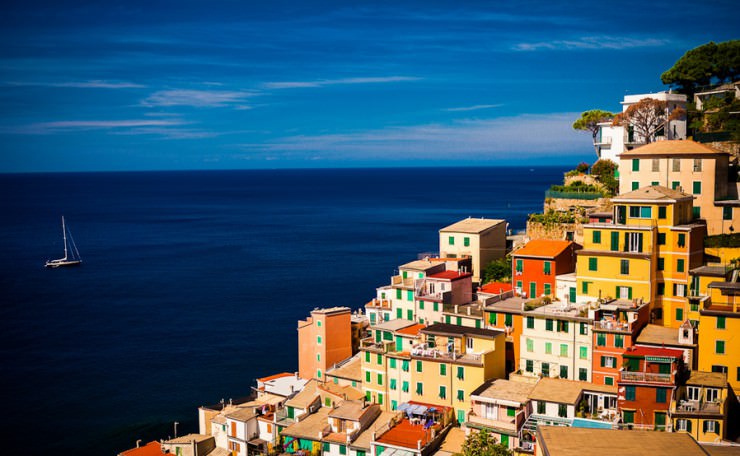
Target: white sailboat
71 254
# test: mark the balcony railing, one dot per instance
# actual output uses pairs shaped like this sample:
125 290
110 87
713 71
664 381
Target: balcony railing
379 303
612 325
499 424
383 346
433 353
650 377
694 407
401 281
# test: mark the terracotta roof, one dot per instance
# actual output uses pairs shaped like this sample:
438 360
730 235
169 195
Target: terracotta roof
363 440
420 265
472 225
305 398
353 410
350 370
150 449
405 435
451 275
676 147
310 427
658 335
721 450
344 392
394 325
561 441
453 442
505 389
713 379
548 248
557 390
652 193
242 414
189 438
654 351
411 330
495 287
273 377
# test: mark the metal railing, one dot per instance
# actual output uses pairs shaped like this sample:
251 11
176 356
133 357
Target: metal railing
628 376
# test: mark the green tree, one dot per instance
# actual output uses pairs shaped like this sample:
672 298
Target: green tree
704 65
604 171
497 270
483 444
589 121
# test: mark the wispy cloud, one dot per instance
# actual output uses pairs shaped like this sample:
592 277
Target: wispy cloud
501 138
592 43
196 98
474 107
95 84
43 128
342 81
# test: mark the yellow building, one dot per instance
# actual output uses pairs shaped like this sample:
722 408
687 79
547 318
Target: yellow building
700 407
480 239
644 254
452 361
719 331
690 167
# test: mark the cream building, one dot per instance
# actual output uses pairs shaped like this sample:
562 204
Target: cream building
480 239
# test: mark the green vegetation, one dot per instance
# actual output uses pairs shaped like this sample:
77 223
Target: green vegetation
723 240
705 65
482 443
576 187
604 171
498 270
552 217
589 121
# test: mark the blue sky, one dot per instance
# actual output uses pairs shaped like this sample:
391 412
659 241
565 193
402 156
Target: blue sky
103 85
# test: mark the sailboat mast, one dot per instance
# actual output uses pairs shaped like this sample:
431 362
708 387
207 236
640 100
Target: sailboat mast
64 233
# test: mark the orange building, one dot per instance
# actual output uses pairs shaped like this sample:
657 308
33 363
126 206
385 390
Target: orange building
324 338
535 265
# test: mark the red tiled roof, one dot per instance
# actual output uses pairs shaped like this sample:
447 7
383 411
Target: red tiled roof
654 351
495 287
405 434
548 248
150 449
273 377
411 330
451 275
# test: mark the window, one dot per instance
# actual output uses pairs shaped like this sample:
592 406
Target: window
609 381
410 314
451 240
563 371
675 185
584 328
710 426
530 366
409 295
563 350
530 345
719 347
656 165
682 240
466 241
596 237
696 212
541 407
367 357
619 340
601 339
719 368
628 416
608 361
583 352
492 318
380 399
635 185
624 267
510 411
696 188
519 266
405 365
624 292
614 241
443 369
546 369
318 357
635 164
661 264
508 320
548 324
436 306
548 348
711 394
629 393
460 373
562 410
661 238
548 289
547 267
367 376
662 212
405 386
380 359
380 379
442 392
562 326
593 264
584 287
697 165
530 322
679 314
676 165
460 395
633 242
727 213
721 322
660 291
393 384
418 366
582 374
660 395
679 265
419 388
654 183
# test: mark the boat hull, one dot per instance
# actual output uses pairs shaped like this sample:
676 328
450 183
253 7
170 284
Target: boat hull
62 263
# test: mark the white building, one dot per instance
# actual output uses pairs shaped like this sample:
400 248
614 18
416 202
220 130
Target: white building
611 140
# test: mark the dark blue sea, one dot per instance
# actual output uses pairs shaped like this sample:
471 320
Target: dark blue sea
193 282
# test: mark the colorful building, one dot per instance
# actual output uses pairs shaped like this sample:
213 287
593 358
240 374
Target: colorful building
504 311
482 240
682 338
690 167
719 327
615 328
324 338
535 266
701 407
646 386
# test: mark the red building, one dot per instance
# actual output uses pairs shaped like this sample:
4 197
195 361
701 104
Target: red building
616 326
646 386
535 265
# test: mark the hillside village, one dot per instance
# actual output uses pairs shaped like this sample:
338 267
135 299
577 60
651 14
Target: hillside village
614 328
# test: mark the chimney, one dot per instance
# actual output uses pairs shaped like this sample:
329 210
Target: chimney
138 443
296 376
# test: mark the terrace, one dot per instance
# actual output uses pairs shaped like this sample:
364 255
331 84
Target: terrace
647 377
424 351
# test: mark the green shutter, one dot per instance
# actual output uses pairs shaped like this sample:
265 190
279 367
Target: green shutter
597 237
696 188
547 268
635 164
614 244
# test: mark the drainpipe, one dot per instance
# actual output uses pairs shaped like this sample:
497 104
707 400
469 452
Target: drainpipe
574 350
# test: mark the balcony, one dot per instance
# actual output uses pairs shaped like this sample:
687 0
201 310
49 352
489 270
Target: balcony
421 352
646 377
379 304
398 280
697 407
612 325
511 424
384 346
